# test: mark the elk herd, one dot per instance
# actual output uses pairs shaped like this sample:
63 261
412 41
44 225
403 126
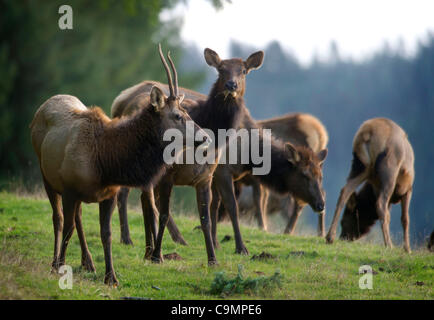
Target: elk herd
86 156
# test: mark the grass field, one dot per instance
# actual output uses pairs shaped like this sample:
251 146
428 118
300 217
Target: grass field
310 269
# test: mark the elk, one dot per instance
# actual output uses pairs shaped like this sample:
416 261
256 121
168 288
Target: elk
300 129
222 109
295 170
382 158
85 156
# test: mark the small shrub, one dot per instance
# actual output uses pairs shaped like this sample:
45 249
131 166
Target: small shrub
238 285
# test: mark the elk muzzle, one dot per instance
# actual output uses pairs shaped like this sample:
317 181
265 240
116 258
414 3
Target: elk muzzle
231 86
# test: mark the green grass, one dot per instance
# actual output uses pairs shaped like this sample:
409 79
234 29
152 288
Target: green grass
322 272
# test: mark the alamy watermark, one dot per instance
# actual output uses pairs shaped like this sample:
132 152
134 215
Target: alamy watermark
240 146
66 20
366 281
66 280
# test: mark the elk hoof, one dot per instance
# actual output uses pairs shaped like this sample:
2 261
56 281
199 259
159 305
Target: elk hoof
329 239
180 240
155 259
55 265
110 280
127 241
212 263
88 265
148 253
243 251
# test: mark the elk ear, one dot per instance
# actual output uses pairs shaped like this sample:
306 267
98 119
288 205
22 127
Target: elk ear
291 153
322 155
157 98
181 98
254 61
212 58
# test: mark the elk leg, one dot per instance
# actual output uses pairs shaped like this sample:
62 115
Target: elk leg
174 232
150 215
321 224
384 215
203 203
106 208
405 219
225 187
165 189
294 218
387 179
346 191
222 213
70 205
123 216
86 257
215 208
258 196
287 208
265 197
55 201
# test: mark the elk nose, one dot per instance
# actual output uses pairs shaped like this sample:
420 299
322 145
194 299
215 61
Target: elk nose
319 207
231 85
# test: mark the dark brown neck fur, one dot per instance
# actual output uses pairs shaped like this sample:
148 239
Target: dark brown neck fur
217 112
129 151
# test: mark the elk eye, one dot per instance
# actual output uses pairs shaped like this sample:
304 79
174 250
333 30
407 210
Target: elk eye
244 71
178 117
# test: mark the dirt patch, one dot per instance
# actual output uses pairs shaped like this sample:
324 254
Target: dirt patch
263 256
301 253
226 238
366 271
297 253
420 283
172 256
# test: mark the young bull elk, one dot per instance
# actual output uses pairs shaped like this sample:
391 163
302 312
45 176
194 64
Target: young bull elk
295 170
222 109
84 157
384 158
300 129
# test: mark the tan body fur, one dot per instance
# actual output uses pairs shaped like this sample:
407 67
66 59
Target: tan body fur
383 156
63 132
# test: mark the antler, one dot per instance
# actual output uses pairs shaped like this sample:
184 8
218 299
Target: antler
175 75
169 76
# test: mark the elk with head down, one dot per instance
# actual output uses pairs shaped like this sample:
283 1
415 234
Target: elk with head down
300 129
222 109
85 156
294 170
384 158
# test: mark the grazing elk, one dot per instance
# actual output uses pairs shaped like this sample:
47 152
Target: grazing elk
222 109
300 129
384 158
85 156
295 170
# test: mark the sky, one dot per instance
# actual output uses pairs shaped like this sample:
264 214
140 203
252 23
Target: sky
306 27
